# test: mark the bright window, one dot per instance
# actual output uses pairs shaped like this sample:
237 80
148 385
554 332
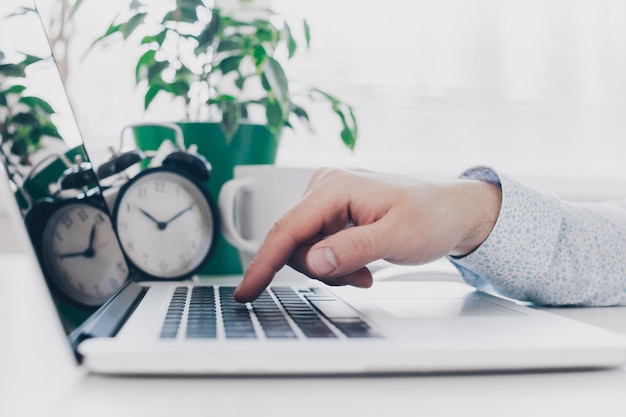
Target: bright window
534 87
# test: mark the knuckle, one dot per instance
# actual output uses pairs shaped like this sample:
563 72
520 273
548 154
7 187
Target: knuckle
361 245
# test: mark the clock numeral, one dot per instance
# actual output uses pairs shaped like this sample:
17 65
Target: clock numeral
99 219
97 291
142 192
121 267
67 221
115 284
82 215
163 266
184 261
159 186
58 236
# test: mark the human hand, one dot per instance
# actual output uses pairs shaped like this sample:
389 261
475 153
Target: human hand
349 218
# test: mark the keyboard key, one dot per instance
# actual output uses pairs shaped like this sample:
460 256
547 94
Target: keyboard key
174 315
236 317
271 318
302 314
202 317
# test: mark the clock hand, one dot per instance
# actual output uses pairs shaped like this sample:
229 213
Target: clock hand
160 225
71 255
89 252
180 213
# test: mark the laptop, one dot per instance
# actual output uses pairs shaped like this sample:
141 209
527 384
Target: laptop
410 321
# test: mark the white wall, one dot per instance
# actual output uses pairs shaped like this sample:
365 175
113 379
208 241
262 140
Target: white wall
535 87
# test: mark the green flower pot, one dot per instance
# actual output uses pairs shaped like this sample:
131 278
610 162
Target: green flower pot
252 145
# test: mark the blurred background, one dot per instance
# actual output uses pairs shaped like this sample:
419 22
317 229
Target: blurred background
535 88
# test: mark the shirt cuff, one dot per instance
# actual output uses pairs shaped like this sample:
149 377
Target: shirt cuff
506 259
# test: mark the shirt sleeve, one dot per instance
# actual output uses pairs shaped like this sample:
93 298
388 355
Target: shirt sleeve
549 251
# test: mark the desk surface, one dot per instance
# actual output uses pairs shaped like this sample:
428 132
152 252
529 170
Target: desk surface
38 378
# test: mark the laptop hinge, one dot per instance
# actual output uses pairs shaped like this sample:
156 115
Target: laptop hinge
109 318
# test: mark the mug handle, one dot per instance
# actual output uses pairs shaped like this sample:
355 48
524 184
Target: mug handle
226 203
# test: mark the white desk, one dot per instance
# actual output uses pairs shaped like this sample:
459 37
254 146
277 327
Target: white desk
37 378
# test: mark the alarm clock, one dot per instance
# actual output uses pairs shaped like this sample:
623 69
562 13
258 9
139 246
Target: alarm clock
75 240
79 250
164 217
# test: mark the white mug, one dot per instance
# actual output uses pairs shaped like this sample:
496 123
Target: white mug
254 199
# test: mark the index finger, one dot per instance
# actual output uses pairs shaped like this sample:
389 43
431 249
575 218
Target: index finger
300 225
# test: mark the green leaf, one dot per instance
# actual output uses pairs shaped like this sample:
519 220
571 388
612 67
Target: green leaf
19 147
111 30
230 63
146 60
303 116
229 44
290 41
136 5
265 34
348 138
169 17
133 23
240 82
244 111
231 114
21 11
187 10
12 70
156 69
25 119
159 38
15 89
3 100
259 55
264 83
275 116
349 131
179 88
151 94
207 35
307 33
75 7
30 59
189 4
49 129
277 81
37 103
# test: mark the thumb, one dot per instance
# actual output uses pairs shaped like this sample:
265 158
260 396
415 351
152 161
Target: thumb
346 251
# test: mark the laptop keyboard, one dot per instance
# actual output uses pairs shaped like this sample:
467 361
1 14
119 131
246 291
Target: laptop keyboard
210 312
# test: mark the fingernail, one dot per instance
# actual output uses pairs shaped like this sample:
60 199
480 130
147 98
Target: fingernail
236 294
322 261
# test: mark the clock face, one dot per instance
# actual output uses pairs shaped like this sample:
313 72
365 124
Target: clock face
82 255
165 224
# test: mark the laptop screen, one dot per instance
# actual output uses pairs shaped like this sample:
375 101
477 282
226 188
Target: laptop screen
50 174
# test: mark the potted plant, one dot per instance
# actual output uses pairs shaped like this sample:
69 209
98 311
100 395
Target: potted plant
28 134
225 69
24 119
32 145
221 65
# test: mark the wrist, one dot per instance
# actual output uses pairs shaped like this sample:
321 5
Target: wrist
479 206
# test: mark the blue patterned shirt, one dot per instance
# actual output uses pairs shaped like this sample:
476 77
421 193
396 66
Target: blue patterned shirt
549 251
